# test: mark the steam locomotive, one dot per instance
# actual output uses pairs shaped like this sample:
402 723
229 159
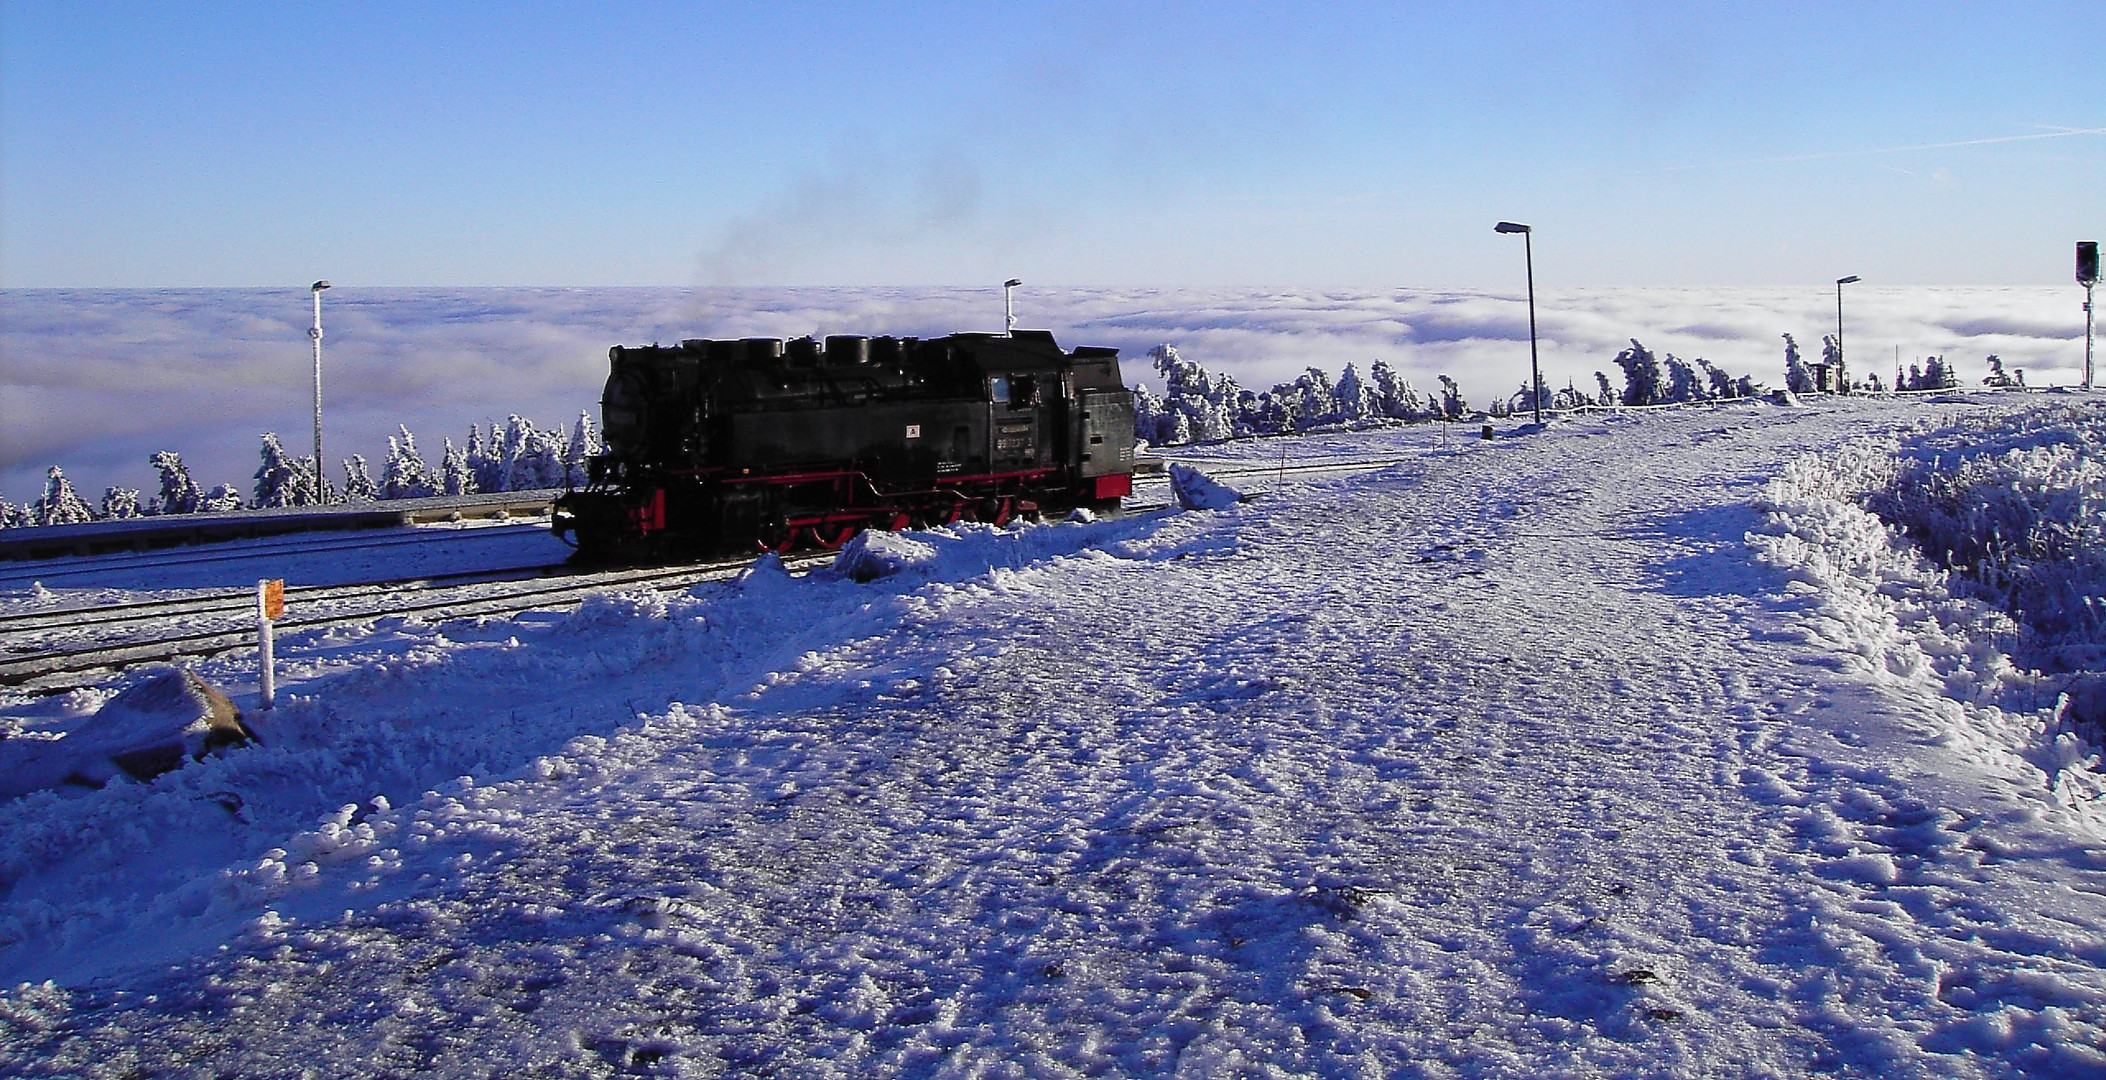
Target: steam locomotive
720 446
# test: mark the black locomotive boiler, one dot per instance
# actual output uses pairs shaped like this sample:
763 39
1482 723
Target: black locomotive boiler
715 447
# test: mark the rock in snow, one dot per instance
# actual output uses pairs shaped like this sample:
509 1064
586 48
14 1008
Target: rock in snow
170 718
1196 490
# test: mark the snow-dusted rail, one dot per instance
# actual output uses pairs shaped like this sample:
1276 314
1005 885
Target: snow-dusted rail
242 602
16 575
47 671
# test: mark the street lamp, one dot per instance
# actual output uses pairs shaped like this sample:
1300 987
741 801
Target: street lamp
1009 306
1528 247
1842 380
321 475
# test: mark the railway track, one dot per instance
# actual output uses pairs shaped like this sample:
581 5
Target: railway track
57 670
15 576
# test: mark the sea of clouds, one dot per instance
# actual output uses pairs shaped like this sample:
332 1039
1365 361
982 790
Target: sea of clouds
96 380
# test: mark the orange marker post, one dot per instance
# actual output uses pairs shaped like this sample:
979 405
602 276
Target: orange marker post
270 606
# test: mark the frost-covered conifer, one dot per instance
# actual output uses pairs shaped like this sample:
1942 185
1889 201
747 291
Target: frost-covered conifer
358 483
179 494
1608 395
405 475
485 459
1996 376
1148 414
1641 375
1721 384
1683 382
1316 400
1832 355
455 477
1394 396
120 502
534 458
282 480
224 499
1209 402
584 443
60 504
1798 378
1938 375
1452 404
1356 399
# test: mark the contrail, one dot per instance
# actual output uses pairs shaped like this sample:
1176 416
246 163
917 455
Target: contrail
2060 133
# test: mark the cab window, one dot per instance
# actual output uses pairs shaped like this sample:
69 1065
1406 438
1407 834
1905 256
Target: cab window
998 389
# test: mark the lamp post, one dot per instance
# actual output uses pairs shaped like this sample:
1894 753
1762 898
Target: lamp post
1535 370
1842 380
1009 306
321 476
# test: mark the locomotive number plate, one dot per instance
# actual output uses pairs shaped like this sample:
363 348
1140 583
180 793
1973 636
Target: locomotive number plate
914 431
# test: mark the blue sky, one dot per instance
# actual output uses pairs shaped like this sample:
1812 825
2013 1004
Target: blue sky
1078 143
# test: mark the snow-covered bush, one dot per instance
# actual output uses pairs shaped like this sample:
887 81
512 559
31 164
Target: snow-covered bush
2015 508
224 499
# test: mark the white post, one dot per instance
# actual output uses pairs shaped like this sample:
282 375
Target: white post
2087 337
265 660
321 471
1009 306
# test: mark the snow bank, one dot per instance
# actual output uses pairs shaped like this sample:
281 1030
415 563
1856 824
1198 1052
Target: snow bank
1904 617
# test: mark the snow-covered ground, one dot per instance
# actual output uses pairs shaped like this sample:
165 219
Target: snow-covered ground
1616 749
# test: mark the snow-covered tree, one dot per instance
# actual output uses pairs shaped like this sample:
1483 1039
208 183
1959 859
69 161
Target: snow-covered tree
533 458
1209 402
1798 378
1996 376
1641 375
1683 382
584 443
282 480
1356 399
405 475
1453 406
455 477
60 504
486 458
224 499
1394 395
358 483
1608 395
1316 399
1719 383
179 494
1832 355
1148 414
120 502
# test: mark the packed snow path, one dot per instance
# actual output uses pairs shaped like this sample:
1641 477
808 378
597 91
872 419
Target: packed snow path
1509 761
